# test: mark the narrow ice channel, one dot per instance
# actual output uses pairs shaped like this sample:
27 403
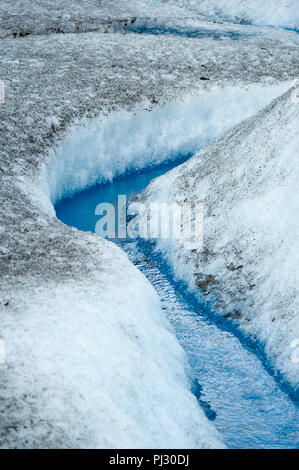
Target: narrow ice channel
122 156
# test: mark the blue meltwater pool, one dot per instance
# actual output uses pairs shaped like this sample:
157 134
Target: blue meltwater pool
231 381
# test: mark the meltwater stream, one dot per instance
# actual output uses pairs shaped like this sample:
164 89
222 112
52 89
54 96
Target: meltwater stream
233 387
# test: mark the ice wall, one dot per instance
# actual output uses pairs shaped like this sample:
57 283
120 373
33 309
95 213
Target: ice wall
127 141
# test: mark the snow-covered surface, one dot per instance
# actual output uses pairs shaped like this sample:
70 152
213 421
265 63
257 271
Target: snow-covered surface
282 13
87 363
248 265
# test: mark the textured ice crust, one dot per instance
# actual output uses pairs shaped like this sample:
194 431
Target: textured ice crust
248 266
128 141
282 13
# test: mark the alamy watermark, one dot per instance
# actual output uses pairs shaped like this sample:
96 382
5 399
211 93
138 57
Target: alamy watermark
295 93
153 221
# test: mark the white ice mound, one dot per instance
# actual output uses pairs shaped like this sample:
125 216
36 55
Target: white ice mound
90 363
283 13
249 263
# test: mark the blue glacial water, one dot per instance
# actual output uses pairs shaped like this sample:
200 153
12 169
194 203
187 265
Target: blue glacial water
230 377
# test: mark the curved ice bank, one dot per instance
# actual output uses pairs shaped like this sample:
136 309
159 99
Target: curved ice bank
284 13
248 266
129 141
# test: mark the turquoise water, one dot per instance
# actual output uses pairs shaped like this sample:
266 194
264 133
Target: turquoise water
230 378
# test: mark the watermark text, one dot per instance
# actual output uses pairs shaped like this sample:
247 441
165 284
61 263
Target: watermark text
153 221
